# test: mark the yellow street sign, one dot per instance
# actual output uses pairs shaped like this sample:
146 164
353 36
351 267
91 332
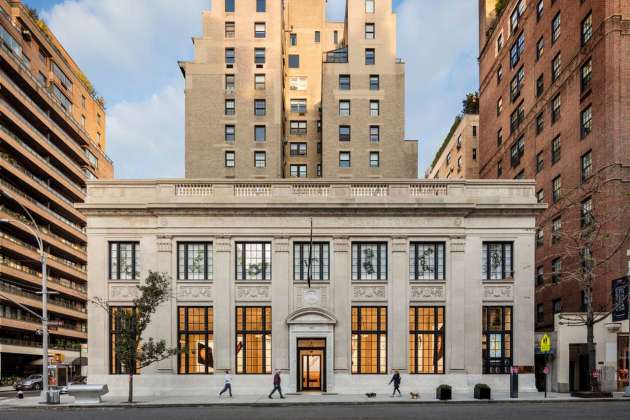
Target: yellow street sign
545 344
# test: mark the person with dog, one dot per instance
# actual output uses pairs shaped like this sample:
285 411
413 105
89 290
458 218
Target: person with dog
396 381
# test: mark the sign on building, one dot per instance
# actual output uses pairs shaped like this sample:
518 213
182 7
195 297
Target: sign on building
620 299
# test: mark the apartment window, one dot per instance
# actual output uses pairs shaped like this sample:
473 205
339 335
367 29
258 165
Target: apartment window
229 56
369 6
586 165
229 82
496 342
230 6
555 28
297 149
557 306
556 229
586 124
517 117
369 261
587 28
230 134
374 108
540 123
375 83
375 161
540 162
62 99
555 150
120 320
298 106
260 159
344 108
83 121
335 37
499 168
259 55
448 158
500 42
253 339
375 134
540 313
83 101
540 237
370 31
230 30
260 107
520 175
230 159
319 147
293 39
194 261
516 84
294 61
344 159
253 261
540 85
556 187
540 48
260 30
344 82
540 195
298 171
260 133
259 82
516 15
427 261
540 276
124 260
370 56
555 67
556 270
261 6
311 256
586 212
517 50
555 108
426 340
344 133
369 339
318 37
499 106
41 78
540 7
297 128
497 261
459 163
586 74
195 340
61 76
499 137
230 107
499 74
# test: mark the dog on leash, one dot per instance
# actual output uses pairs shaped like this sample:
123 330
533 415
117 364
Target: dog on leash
371 394
414 395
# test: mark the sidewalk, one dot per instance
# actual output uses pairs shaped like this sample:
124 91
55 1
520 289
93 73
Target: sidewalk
291 399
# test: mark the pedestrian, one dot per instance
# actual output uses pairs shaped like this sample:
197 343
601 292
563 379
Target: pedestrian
396 381
276 385
227 383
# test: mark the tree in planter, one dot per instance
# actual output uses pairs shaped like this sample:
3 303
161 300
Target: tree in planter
130 349
592 232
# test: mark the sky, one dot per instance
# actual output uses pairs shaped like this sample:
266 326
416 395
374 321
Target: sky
129 50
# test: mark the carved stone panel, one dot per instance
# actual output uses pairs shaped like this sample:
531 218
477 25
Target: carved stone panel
253 293
281 244
369 293
400 244
124 292
498 292
222 244
434 292
164 244
194 292
341 244
315 297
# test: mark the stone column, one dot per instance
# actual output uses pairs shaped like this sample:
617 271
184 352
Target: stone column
341 284
223 305
399 304
280 287
165 318
455 313
473 285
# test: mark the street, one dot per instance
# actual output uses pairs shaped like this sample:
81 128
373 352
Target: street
520 411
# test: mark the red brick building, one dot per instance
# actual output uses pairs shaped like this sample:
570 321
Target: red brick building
555 106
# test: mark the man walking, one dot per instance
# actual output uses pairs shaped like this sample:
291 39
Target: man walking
276 385
396 381
227 383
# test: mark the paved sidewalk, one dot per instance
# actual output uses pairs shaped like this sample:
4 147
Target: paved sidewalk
291 399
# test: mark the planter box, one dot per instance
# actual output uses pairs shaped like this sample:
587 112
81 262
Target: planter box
482 392
443 393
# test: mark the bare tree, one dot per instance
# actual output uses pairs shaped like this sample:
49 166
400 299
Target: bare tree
593 230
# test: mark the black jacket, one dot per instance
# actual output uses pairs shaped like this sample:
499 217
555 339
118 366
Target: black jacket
395 379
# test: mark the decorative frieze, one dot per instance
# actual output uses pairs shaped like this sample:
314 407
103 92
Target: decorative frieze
498 292
281 244
315 297
222 244
253 293
164 244
341 244
369 293
400 244
194 292
458 244
123 292
427 292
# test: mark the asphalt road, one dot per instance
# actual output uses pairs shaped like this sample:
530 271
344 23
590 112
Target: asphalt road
499 411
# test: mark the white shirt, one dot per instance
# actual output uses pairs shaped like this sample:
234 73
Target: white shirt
228 378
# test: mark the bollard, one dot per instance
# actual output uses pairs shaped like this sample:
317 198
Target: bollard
20 395
514 382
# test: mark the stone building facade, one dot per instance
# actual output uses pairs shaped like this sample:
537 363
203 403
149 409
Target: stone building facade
459 156
432 278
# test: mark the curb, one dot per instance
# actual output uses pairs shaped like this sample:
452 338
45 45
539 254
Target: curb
299 404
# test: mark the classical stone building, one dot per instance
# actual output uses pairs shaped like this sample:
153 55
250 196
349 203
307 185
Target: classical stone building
275 91
434 278
458 157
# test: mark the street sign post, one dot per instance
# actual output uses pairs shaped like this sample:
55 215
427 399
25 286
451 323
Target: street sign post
545 348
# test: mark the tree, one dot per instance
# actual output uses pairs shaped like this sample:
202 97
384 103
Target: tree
592 232
470 105
130 348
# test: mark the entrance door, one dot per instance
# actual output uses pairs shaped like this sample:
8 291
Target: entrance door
311 364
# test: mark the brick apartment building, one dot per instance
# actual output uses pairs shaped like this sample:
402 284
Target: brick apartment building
277 91
52 140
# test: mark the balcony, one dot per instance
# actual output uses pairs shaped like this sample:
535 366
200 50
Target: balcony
68 346
56 304
30 323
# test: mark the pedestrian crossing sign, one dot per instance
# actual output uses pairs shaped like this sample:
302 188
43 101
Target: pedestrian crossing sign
545 344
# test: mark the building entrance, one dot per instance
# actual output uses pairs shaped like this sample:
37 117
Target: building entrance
311 364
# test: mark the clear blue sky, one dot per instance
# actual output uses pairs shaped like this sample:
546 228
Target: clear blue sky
132 62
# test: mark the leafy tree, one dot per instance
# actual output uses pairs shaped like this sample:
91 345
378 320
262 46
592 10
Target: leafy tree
500 5
470 105
131 349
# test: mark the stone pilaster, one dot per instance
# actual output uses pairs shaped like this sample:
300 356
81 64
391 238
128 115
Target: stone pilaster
280 292
342 285
456 319
399 304
223 304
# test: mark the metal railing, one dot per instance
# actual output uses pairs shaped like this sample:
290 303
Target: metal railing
52 300
31 343
78 267
8 262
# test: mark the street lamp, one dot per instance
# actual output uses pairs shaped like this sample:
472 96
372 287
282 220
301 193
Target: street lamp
44 316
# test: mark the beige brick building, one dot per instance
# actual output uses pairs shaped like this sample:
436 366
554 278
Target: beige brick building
458 156
338 113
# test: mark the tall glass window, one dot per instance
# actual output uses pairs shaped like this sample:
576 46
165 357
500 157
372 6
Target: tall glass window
369 339
194 261
195 340
426 339
426 261
318 262
124 260
119 321
497 260
253 261
253 339
369 261
497 339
